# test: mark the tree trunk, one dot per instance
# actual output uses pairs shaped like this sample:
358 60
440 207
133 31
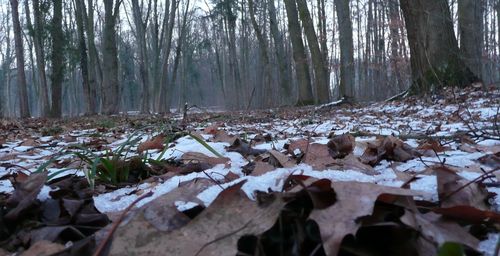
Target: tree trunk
95 72
90 100
320 68
57 59
164 101
37 31
140 33
435 57
264 55
346 49
21 76
110 84
470 23
280 51
299 55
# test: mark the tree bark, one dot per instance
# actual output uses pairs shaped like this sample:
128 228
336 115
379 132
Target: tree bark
164 100
321 76
140 33
435 58
299 54
280 51
90 98
94 67
346 49
57 59
21 75
110 83
470 27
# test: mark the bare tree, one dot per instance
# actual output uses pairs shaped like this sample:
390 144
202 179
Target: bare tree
88 93
435 58
57 59
110 84
140 35
470 22
21 76
346 49
299 54
320 68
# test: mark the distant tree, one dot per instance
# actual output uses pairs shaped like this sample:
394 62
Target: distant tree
435 57
141 24
21 76
57 59
346 49
299 54
320 67
110 84
470 28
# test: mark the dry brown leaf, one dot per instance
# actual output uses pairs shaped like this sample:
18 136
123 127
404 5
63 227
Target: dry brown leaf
437 229
282 159
222 136
298 144
341 145
354 200
261 168
351 162
197 157
215 231
318 156
451 190
389 148
154 143
43 247
491 160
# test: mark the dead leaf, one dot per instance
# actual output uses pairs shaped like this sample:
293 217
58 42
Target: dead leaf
202 158
223 136
282 159
491 160
341 145
244 148
318 156
214 232
351 162
43 247
389 148
434 228
468 213
156 142
25 195
451 190
354 200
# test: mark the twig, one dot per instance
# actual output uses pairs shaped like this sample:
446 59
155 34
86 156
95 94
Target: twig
103 244
222 237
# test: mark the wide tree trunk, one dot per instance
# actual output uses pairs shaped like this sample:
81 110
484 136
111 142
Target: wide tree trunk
346 49
321 76
57 59
299 54
94 66
110 84
169 19
470 24
435 58
21 75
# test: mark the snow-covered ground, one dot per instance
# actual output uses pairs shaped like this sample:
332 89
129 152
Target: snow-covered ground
408 118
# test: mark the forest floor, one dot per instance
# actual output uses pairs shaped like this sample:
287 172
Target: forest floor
389 178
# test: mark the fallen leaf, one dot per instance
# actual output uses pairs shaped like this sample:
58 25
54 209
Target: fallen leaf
156 142
282 159
202 158
43 247
244 148
354 200
388 148
213 232
318 156
25 195
453 192
468 213
491 160
341 145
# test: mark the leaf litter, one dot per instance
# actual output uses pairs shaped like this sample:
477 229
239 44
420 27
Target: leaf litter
393 178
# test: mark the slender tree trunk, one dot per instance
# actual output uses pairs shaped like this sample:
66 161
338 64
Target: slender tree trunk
95 72
264 55
164 101
110 83
346 49
90 100
40 57
284 76
435 57
21 76
140 32
470 23
299 55
320 68
57 59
